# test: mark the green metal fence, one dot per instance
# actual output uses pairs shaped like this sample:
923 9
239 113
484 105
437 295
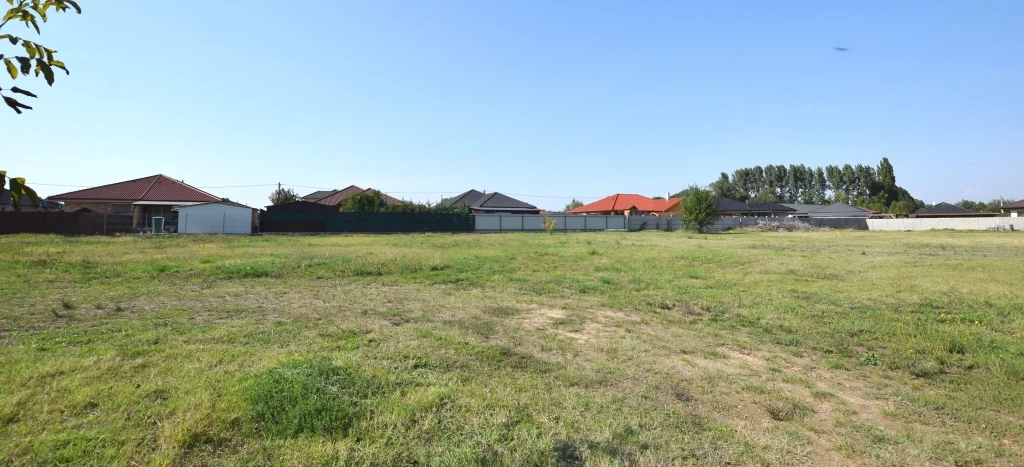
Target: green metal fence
340 222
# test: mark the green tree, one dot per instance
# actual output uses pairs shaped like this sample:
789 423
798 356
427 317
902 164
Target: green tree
365 202
37 58
575 203
902 208
725 188
283 196
683 194
886 174
765 196
699 210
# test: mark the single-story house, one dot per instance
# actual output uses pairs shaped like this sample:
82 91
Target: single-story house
841 210
302 206
1015 209
946 210
26 205
802 210
317 195
491 203
629 204
337 197
142 198
731 208
222 217
769 210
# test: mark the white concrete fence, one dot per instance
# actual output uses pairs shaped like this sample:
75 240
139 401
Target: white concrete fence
566 223
956 223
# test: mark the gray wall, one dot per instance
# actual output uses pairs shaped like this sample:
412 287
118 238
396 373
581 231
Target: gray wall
531 222
959 223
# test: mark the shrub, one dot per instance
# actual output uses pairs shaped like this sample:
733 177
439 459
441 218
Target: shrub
699 210
307 397
549 224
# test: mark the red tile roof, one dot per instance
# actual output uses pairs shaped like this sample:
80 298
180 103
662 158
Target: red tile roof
339 196
622 202
152 188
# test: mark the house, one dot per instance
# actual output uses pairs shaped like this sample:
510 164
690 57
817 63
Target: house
491 203
26 205
337 197
302 206
629 204
317 195
946 210
841 210
223 217
801 210
770 210
1015 209
142 198
731 208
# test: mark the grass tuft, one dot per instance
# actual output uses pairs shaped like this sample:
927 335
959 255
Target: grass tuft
308 397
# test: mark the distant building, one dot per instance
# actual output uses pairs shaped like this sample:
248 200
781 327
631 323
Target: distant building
26 205
142 198
630 204
1014 209
491 203
946 210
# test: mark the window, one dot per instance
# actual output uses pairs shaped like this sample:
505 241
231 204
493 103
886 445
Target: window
121 208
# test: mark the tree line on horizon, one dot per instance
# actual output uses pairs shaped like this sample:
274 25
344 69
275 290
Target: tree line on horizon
860 185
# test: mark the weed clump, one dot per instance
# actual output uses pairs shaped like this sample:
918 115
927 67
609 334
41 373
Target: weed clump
784 411
308 397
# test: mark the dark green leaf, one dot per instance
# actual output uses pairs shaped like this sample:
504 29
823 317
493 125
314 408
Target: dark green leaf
74 4
3 179
26 64
14 104
22 91
47 71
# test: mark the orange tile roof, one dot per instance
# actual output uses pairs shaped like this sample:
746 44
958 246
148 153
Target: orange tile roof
622 202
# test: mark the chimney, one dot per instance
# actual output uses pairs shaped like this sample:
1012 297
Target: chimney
667 196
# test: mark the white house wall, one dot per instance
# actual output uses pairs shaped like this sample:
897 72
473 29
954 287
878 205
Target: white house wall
214 218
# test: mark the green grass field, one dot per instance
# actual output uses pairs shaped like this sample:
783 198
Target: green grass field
649 348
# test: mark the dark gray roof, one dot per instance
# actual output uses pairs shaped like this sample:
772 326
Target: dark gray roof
775 207
730 205
499 201
489 202
840 210
467 198
318 195
945 208
802 209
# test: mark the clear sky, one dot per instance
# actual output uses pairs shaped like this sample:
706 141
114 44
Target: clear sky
550 100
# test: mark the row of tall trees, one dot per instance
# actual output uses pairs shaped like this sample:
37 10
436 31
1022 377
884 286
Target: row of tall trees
862 185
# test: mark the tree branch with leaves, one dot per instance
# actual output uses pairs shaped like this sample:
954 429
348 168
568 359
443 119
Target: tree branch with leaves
37 58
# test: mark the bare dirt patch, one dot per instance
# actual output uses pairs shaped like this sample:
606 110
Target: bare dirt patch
581 327
776 398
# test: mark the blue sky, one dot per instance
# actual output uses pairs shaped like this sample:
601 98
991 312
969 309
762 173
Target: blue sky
546 99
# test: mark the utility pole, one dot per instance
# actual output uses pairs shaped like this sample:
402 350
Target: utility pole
278 185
